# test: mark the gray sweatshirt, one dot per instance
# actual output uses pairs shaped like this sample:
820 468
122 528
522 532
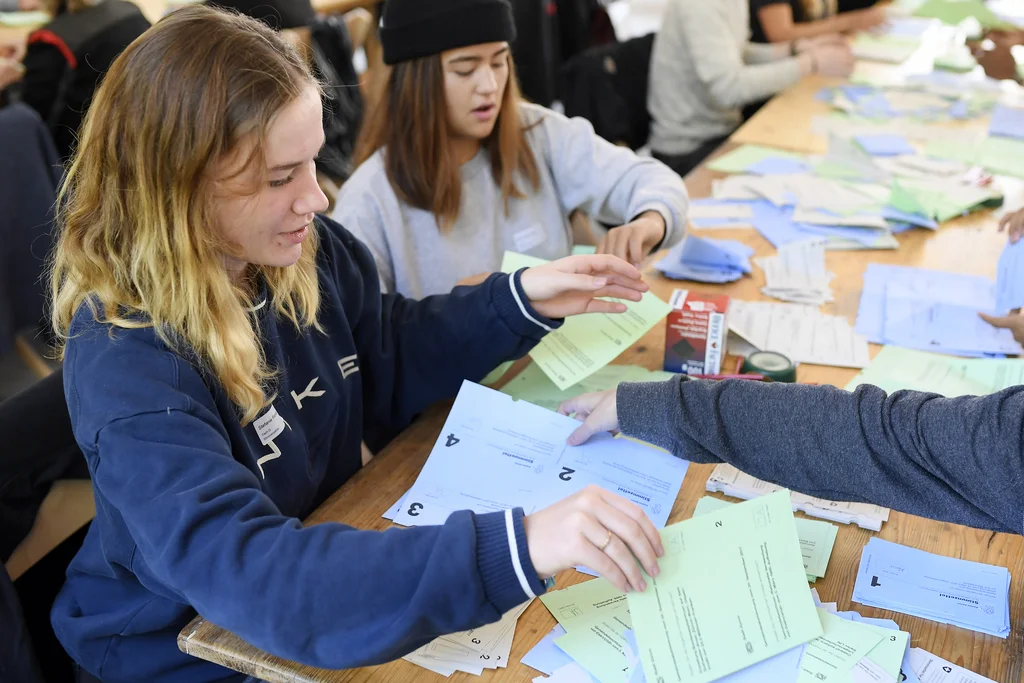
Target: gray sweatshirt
578 170
957 460
704 70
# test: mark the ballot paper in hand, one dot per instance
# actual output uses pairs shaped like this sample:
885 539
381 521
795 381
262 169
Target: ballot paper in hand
926 287
496 453
706 260
585 343
967 594
730 481
731 593
921 318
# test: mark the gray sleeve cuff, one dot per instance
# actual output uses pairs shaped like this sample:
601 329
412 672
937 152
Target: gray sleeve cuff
648 411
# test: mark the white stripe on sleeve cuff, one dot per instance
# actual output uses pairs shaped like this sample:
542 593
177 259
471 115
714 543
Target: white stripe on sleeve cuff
522 306
513 547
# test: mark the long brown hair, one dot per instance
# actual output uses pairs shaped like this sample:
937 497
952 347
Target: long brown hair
410 123
135 219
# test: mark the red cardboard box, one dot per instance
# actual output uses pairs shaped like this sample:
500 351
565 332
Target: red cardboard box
695 336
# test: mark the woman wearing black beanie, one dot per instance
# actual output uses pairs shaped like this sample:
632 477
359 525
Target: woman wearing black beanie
456 168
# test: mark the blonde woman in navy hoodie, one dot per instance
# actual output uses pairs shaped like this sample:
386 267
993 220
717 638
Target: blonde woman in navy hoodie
226 350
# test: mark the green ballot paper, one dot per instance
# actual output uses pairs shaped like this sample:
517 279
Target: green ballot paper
587 343
533 386
816 538
895 368
584 603
832 655
600 646
883 662
745 156
732 592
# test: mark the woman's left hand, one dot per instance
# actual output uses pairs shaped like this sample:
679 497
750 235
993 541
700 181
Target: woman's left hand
634 241
575 285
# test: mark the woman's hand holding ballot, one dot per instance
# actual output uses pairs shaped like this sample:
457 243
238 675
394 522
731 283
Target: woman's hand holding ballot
597 529
581 284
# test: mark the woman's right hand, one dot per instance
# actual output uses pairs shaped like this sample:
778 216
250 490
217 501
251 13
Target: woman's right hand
599 530
833 59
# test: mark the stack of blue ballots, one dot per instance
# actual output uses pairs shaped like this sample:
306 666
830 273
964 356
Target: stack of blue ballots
969 595
890 103
706 260
931 310
1010 278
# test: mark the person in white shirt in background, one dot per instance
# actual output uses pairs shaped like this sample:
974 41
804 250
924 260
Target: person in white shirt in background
456 169
705 70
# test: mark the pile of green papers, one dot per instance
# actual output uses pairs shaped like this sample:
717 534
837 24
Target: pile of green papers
941 200
896 368
1002 156
731 597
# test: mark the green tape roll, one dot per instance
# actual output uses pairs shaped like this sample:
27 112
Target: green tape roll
772 365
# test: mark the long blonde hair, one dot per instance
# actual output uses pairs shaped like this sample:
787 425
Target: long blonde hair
410 121
137 240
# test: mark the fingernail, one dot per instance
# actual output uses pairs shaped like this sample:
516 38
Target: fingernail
656 571
600 281
643 585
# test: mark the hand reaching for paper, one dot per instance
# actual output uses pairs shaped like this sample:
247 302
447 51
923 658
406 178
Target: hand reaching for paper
1013 224
597 412
634 241
597 529
1013 322
576 284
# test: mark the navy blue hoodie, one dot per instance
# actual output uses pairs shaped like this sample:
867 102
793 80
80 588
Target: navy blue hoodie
197 513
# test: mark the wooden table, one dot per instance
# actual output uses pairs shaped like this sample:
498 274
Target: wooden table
968 245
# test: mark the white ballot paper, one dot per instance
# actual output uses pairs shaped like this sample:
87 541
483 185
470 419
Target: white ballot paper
496 453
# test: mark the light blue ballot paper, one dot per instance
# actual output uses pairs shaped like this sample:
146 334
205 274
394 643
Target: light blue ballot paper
971 291
1010 278
884 145
706 260
496 453
971 595
916 319
545 655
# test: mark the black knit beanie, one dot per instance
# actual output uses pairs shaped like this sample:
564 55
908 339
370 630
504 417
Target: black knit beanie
419 28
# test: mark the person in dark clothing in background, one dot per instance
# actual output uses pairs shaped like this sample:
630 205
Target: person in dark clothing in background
29 175
780 21
277 14
67 58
